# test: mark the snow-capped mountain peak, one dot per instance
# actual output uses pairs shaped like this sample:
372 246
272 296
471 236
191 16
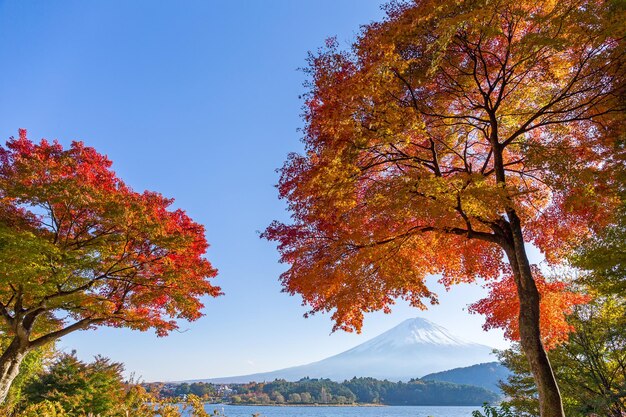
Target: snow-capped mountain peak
413 348
419 330
413 332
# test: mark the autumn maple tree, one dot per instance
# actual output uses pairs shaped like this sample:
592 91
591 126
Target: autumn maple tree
79 248
451 134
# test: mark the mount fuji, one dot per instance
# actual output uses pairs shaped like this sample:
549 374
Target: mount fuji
412 349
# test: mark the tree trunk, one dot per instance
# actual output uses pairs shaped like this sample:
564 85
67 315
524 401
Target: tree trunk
10 362
550 404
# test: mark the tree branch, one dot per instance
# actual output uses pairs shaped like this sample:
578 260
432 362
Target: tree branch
79 325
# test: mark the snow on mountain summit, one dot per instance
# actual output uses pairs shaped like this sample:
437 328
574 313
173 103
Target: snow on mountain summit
419 331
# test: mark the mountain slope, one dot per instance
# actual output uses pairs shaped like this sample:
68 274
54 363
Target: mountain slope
414 348
486 375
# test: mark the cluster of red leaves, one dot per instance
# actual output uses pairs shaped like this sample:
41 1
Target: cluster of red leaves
114 256
501 308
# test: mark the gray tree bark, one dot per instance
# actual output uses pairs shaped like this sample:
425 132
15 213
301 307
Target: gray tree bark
550 402
10 362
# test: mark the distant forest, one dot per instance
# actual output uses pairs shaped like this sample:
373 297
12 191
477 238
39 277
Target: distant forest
325 391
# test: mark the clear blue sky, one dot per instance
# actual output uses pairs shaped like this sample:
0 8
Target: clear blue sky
197 100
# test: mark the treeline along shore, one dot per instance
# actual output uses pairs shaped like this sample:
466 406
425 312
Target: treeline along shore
356 391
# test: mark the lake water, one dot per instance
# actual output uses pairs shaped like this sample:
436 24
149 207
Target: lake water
395 411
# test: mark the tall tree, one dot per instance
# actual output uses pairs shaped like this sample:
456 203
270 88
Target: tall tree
451 134
79 248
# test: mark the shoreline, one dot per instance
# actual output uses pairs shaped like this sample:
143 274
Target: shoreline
340 405
307 405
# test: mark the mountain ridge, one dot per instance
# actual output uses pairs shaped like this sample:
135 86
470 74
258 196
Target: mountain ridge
485 375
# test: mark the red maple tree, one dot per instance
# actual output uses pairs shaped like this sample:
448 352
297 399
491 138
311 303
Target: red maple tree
79 248
451 134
